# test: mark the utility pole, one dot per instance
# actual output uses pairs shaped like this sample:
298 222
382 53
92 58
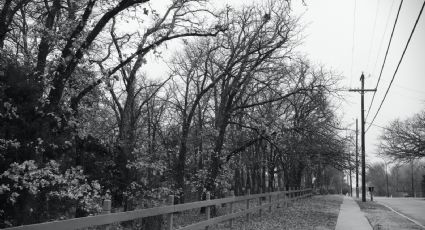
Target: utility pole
386 178
357 160
413 183
362 123
351 183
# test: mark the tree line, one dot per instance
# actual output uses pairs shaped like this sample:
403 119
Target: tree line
402 144
397 180
81 119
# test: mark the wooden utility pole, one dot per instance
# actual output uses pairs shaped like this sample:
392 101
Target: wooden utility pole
357 159
362 123
386 178
351 183
413 181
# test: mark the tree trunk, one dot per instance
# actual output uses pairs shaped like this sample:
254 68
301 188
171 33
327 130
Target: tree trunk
181 161
126 143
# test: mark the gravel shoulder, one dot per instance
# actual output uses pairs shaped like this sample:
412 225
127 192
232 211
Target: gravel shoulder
380 217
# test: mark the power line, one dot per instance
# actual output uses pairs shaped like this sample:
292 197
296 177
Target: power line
385 58
373 35
410 89
352 47
398 65
383 35
379 126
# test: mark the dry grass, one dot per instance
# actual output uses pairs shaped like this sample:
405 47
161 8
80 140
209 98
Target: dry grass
318 212
380 217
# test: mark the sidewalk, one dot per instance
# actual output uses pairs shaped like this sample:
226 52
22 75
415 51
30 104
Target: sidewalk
350 216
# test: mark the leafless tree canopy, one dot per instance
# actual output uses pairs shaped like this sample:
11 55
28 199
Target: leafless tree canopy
404 140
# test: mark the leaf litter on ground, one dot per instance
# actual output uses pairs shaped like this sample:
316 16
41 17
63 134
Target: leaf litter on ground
316 213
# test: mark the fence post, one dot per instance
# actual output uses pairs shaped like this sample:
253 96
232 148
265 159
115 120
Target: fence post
282 192
170 215
288 190
208 208
260 202
106 209
248 192
232 194
270 201
290 193
277 197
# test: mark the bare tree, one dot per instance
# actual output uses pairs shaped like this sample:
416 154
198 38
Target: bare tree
129 101
404 140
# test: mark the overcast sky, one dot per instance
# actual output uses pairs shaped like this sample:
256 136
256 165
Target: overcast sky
329 41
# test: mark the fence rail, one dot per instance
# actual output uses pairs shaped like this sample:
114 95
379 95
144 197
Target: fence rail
274 199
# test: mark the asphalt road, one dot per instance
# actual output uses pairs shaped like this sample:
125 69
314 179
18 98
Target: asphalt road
414 208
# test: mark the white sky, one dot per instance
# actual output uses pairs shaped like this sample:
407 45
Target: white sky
329 41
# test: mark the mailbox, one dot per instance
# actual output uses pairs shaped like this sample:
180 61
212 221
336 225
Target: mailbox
371 193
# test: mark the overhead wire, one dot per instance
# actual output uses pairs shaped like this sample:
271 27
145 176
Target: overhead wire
383 34
379 126
410 89
398 65
402 94
352 46
385 58
373 34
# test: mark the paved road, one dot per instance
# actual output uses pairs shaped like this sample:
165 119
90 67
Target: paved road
414 208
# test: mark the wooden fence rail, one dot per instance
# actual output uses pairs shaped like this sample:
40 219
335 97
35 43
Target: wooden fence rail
274 199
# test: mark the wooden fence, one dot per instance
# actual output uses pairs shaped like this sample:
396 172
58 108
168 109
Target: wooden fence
265 201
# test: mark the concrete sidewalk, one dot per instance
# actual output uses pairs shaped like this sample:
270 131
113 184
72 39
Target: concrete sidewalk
350 216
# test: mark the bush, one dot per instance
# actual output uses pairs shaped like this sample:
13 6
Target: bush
33 193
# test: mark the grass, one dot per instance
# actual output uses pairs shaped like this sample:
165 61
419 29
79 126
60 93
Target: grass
380 217
318 212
